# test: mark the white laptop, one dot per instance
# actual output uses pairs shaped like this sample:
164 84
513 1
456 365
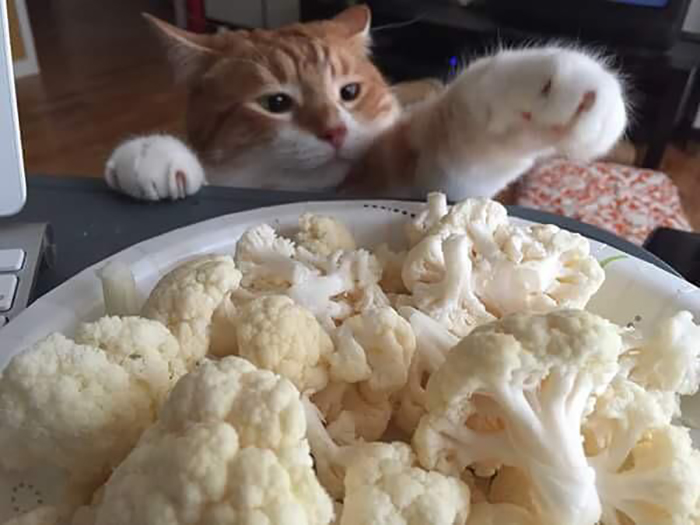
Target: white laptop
23 245
12 184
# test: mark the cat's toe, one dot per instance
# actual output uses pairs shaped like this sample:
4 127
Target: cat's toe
184 181
181 182
587 102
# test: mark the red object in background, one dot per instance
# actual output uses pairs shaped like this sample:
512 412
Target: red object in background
196 21
631 202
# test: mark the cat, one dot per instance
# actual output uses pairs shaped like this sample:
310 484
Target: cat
304 108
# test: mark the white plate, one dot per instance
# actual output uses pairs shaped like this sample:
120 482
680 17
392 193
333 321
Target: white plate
634 291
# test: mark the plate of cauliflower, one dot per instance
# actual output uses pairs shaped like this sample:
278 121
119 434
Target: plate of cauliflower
356 363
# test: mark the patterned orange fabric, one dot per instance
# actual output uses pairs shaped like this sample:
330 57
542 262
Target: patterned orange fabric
628 201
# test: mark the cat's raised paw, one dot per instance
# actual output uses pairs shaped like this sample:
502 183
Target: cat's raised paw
154 167
569 100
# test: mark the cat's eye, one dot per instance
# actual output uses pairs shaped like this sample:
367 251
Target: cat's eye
350 92
276 103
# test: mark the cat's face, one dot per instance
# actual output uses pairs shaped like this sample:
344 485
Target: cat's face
294 101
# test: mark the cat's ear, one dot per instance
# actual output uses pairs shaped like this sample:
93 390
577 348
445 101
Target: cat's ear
190 54
356 22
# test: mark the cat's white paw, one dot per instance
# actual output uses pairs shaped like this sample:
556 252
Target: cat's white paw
154 167
567 98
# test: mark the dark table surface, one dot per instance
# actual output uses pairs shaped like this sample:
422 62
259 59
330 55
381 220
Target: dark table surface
91 222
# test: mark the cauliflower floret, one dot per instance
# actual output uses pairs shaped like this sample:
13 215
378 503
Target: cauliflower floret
263 408
382 342
435 209
384 485
433 341
656 484
185 299
332 287
669 360
439 274
479 219
145 348
121 296
330 459
351 415
622 415
515 392
537 269
276 334
229 447
203 475
472 266
371 362
267 261
324 235
82 407
645 469
349 284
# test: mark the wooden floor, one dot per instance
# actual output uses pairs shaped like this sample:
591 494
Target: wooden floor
104 78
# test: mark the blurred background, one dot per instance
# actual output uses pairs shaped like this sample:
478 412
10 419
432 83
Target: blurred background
92 73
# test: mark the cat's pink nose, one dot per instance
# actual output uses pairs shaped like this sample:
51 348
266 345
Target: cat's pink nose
335 135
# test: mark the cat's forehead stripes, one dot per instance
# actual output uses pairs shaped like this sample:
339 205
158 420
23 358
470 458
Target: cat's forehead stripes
302 58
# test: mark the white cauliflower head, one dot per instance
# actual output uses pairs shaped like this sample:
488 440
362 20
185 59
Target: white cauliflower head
479 219
439 273
229 447
645 469
203 474
348 284
82 407
330 458
657 484
384 485
433 341
435 209
145 348
276 334
185 299
332 286
323 235
264 408
537 269
379 342
669 360
473 266
267 261
370 363
515 392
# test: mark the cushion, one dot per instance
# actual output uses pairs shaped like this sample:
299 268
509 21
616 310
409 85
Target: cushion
628 201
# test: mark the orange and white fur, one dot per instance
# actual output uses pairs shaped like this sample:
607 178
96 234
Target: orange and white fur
304 108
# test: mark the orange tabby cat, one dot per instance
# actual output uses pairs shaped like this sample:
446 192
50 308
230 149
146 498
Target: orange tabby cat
303 107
